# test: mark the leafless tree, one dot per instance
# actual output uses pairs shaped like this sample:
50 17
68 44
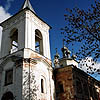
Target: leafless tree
83 28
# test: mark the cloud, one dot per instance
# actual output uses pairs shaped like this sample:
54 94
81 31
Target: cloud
8 5
88 65
3 16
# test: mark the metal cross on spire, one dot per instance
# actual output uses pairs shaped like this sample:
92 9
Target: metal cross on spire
63 42
57 55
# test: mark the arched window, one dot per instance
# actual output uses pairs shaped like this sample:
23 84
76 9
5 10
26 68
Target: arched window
7 96
14 40
38 42
42 86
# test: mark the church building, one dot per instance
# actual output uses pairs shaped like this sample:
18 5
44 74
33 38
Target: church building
26 71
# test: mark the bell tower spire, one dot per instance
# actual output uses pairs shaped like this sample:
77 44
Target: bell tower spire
27 4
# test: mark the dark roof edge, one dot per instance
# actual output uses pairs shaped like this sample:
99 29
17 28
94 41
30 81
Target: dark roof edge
78 70
21 11
81 71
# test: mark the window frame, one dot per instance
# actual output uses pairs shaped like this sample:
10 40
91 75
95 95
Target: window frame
60 87
79 87
43 85
7 72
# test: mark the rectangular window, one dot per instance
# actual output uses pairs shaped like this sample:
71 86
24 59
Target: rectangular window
79 86
60 88
9 77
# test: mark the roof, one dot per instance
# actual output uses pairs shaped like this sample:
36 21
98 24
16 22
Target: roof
79 71
27 4
1 24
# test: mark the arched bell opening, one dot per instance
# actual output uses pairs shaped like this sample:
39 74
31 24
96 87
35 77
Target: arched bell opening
38 42
14 40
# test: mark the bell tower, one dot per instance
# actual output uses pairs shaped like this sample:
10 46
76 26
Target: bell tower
25 65
25 30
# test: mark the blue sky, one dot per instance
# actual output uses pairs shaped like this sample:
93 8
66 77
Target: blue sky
51 11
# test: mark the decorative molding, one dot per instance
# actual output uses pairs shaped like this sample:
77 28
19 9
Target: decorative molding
29 60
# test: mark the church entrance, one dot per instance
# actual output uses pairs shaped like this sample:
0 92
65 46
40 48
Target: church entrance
7 96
